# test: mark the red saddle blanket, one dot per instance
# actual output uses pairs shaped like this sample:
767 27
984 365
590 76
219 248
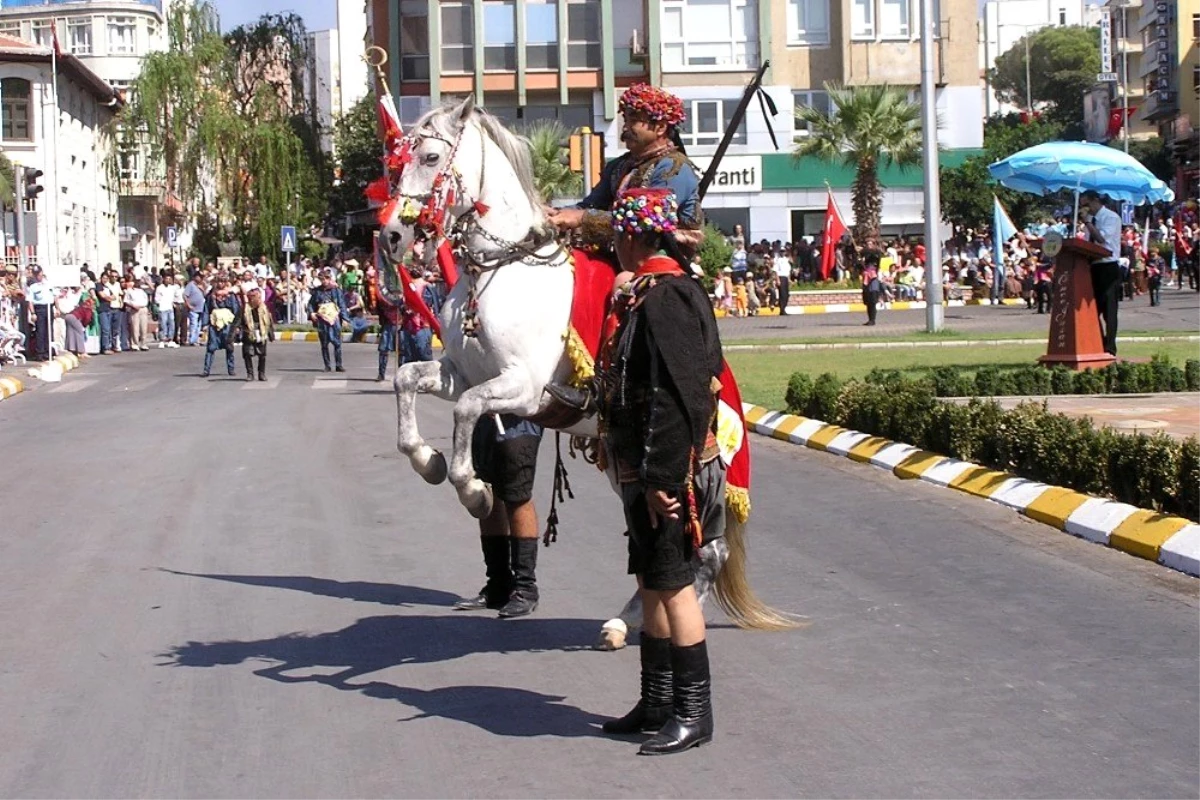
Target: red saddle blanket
590 309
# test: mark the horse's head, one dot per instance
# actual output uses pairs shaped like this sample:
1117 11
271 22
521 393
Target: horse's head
459 162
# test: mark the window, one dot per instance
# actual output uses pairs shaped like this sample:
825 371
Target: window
706 123
414 40
14 110
12 29
1196 79
1196 26
79 36
499 35
862 19
893 19
707 34
121 33
129 165
40 33
812 98
583 34
808 21
458 37
1062 16
541 34
124 88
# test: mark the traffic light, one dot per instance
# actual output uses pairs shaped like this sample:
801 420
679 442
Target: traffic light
32 187
596 142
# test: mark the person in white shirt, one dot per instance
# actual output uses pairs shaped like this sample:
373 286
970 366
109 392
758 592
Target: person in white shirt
40 297
164 299
1103 226
137 311
783 268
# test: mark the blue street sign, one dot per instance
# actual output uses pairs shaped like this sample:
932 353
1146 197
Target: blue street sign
287 238
1126 213
172 237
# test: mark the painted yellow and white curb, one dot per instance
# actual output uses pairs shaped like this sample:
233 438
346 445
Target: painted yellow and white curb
1169 540
10 387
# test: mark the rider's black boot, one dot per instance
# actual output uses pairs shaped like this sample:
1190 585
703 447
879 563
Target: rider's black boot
580 399
499 577
654 709
691 724
524 597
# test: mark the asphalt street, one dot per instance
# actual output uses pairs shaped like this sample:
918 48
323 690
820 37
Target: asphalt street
1179 312
217 589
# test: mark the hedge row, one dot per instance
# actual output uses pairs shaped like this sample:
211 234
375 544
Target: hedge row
1155 472
1157 375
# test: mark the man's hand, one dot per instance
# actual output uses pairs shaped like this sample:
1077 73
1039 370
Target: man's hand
661 505
566 218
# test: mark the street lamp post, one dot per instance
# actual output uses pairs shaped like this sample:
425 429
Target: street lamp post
934 313
1028 79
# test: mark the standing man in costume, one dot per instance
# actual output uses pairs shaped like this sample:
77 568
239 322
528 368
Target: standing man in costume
221 311
327 311
505 456
258 328
658 404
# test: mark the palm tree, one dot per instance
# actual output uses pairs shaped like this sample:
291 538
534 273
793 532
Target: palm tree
866 127
552 174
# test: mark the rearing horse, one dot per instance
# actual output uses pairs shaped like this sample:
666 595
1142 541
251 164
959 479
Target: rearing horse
467 179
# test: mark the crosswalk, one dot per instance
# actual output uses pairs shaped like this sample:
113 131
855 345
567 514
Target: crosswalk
192 383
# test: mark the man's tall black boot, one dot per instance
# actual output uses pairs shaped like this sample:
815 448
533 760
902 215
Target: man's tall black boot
692 723
524 597
495 592
654 709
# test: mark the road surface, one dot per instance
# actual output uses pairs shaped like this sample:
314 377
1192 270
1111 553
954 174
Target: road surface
220 589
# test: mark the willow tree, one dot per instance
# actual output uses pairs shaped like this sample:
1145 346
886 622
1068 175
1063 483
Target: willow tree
223 118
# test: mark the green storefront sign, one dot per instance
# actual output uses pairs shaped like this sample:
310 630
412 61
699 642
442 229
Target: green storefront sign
781 171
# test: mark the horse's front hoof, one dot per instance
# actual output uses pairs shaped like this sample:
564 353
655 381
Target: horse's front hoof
430 464
612 635
477 498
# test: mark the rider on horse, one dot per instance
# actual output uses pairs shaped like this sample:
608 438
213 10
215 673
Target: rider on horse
655 160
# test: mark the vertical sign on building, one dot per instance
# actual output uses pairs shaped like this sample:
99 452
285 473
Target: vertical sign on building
1106 62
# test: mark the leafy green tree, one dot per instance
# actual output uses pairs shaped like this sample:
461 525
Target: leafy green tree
867 127
7 181
226 128
359 153
1063 63
552 173
715 254
1153 154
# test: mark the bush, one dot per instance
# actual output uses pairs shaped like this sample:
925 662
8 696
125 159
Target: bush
985 381
1125 379
799 392
1191 371
951 382
822 404
1062 380
1090 381
1031 380
1188 498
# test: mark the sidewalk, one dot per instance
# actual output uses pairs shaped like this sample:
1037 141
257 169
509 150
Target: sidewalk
1174 413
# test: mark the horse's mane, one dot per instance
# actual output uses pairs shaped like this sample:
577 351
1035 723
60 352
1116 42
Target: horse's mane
516 148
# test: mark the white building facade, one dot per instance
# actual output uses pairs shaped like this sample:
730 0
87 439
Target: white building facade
77 211
111 38
339 76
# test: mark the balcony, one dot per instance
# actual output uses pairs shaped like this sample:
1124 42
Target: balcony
1161 104
156 4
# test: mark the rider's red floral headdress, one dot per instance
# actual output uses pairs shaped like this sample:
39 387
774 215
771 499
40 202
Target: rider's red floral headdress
658 105
645 211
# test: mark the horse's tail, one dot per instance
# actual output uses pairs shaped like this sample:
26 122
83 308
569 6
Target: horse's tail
733 593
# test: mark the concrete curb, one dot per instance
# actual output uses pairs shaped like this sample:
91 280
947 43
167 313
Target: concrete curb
1168 540
10 387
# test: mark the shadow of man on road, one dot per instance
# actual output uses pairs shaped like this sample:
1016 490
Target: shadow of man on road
377 643
389 594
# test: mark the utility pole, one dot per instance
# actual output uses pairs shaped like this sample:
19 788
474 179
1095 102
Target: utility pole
1028 80
19 215
1125 74
934 313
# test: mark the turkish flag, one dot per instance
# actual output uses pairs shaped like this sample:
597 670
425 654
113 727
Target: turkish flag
1116 120
834 230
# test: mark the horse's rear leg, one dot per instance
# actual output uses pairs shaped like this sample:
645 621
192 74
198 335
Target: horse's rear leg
433 377
508 393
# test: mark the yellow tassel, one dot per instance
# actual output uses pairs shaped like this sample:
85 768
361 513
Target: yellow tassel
582 366
738 501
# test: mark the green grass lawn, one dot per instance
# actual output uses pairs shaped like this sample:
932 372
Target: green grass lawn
729 337
763 376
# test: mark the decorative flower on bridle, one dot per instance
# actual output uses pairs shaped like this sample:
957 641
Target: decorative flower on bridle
653 103
645 212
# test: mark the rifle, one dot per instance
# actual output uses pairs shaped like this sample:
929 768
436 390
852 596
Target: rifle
739 114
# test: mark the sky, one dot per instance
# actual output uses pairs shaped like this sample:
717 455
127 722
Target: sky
318 15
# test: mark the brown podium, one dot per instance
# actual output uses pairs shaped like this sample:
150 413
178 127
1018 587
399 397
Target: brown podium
1075 339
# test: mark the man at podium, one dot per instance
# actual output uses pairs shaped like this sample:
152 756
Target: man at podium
1104 228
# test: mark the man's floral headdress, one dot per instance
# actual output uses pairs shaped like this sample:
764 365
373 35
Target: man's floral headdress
654 103
640 212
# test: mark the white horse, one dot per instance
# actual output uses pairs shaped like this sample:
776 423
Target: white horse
504 322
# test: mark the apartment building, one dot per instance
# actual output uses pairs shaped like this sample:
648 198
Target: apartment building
1170 72
338 77
110 38
1103 105
77 211
568 60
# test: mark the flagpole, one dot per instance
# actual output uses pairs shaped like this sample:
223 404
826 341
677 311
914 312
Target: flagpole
52 227
934 313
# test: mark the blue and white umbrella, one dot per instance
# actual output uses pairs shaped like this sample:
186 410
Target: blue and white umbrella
1077 167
